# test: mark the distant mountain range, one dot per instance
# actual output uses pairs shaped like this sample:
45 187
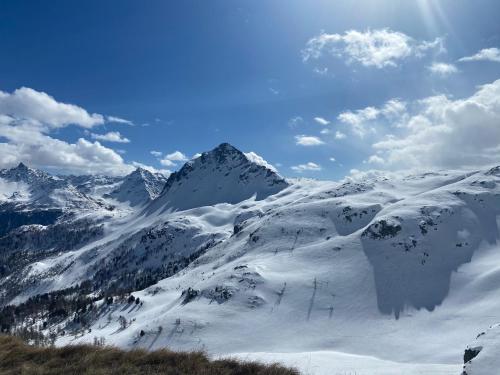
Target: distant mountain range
226 255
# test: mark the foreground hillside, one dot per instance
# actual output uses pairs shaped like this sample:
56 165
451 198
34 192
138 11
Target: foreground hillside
19 358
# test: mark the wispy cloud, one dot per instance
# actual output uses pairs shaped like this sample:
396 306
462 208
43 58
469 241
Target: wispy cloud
321 120
487 54
372 48
339 135
295 121
308 140
310 166
442 69
118 120
361 119
110 137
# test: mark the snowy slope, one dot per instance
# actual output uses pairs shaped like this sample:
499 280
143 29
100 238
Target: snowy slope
352 268
378 274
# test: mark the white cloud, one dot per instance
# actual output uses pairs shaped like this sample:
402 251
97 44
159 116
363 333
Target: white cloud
448 133
306 167
361 120
375 159
118 120
110 137
358 119
177 156
393 108
487 54
332 159
442 69
25 143
325 131
156 154
321 121
373 48
26 118
167 163
37 107
170 160
308 140
257 159
197 155
339 135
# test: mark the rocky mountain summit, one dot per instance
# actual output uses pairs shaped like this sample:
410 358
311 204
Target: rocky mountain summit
222 175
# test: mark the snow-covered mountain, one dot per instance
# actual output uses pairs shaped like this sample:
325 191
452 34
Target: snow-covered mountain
22 173
34 189
139 187
333 277
32 197
21 184
223 175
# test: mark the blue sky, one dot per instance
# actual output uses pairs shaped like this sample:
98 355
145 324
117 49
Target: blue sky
317 88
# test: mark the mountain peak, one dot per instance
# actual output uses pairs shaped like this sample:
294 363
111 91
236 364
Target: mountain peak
226 148
21 166
222 175
139 187
24 173
222 152
139 171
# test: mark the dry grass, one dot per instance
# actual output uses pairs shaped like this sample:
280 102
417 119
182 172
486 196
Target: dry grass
17 358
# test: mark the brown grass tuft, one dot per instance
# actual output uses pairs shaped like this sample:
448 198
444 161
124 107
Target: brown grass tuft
18 358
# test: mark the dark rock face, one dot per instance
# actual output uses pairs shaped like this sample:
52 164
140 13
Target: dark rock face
189 295
382 229
471 353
